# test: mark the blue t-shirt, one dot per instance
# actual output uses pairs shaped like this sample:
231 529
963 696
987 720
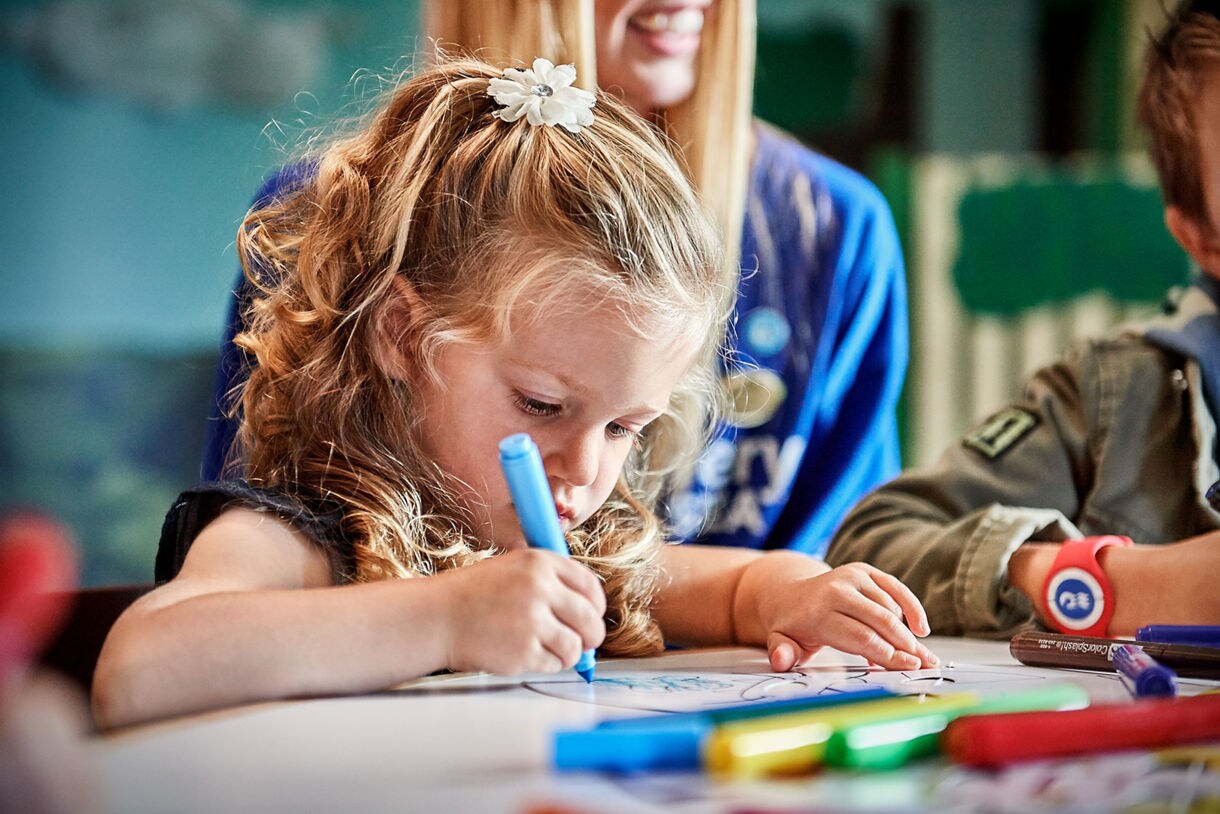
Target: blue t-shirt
821 350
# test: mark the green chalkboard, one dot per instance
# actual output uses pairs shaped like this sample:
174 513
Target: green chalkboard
1056 237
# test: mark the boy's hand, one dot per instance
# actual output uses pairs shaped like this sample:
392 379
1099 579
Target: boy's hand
855 608
521 612
1169 584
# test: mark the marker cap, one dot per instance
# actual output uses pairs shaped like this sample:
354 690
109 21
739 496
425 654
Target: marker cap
1141 674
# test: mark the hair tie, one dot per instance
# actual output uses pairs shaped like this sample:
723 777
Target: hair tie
543 94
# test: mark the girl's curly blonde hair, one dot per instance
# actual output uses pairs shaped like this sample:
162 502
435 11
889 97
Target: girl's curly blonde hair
476 217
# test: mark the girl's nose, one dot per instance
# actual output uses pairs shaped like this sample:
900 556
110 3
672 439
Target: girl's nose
574 459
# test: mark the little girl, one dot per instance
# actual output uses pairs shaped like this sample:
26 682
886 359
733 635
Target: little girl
489 254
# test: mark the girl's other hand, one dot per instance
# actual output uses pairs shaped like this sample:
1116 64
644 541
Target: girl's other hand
855 608
525 611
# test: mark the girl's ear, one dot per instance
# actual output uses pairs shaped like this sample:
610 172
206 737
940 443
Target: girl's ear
1198 239
401 314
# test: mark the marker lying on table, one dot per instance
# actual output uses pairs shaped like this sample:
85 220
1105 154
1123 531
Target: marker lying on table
1091 653
1141 674
535 505
1195 635
675 740
997 740
795 743
889 744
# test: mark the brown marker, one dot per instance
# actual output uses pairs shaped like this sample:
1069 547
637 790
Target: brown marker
1093 653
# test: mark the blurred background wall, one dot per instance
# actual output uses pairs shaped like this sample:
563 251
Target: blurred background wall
137 130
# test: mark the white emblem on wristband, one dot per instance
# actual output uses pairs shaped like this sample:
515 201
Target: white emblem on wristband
1075 599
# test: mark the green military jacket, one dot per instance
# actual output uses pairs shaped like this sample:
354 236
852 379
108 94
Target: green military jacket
1115 438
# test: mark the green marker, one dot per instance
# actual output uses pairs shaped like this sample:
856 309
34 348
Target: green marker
795 742
877 745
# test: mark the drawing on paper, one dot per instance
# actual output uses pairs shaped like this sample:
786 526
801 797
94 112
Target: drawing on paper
670 691
699 680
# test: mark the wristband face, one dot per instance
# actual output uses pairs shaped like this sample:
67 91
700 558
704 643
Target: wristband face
1077 594
1075 599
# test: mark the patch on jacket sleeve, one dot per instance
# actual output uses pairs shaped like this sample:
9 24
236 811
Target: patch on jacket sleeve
997 434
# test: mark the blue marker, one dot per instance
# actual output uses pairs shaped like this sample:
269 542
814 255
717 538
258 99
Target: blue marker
1141 673
535 507
1196 635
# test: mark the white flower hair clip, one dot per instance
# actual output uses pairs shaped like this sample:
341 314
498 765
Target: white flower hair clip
543 94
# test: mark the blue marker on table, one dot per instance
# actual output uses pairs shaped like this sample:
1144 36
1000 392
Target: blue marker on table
1195 635
522 466
1141 673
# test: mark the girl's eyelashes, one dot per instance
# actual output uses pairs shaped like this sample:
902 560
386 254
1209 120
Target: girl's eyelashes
534 407
618 431
544 409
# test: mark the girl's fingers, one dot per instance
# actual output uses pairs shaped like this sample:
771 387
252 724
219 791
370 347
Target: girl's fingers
782 652
575 612
576 602
786 654
583 581
875 593
563 644
885 626
916 618
880 618
929 658
864 640
890 620
890 594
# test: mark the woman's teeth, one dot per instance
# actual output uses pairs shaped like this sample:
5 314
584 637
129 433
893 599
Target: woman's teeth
683 21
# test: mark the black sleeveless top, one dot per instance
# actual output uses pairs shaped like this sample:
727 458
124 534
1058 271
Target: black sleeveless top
197 507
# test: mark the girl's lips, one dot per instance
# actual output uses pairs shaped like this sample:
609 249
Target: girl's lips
567 516
674 31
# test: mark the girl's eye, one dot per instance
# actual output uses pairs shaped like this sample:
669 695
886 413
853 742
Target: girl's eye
543 409
534 406
618 432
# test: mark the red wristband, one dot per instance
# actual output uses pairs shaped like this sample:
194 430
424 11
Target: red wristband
1077 596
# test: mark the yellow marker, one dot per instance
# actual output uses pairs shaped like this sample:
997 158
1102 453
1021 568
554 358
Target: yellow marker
793 743
1208 755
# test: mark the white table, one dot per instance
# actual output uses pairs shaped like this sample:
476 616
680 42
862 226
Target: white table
484 745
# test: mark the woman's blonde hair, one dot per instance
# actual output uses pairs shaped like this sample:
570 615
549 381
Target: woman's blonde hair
712 126
436 202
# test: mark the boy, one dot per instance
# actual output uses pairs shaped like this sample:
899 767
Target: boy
1031 517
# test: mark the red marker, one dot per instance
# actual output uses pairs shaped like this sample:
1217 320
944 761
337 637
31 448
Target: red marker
1002 738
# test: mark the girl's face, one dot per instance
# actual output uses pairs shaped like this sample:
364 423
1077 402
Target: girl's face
646 49
577 380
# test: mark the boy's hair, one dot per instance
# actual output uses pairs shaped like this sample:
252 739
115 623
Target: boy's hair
712 126
1175 61
476 218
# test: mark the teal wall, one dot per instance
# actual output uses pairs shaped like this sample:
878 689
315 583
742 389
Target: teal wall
120 217
126 163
